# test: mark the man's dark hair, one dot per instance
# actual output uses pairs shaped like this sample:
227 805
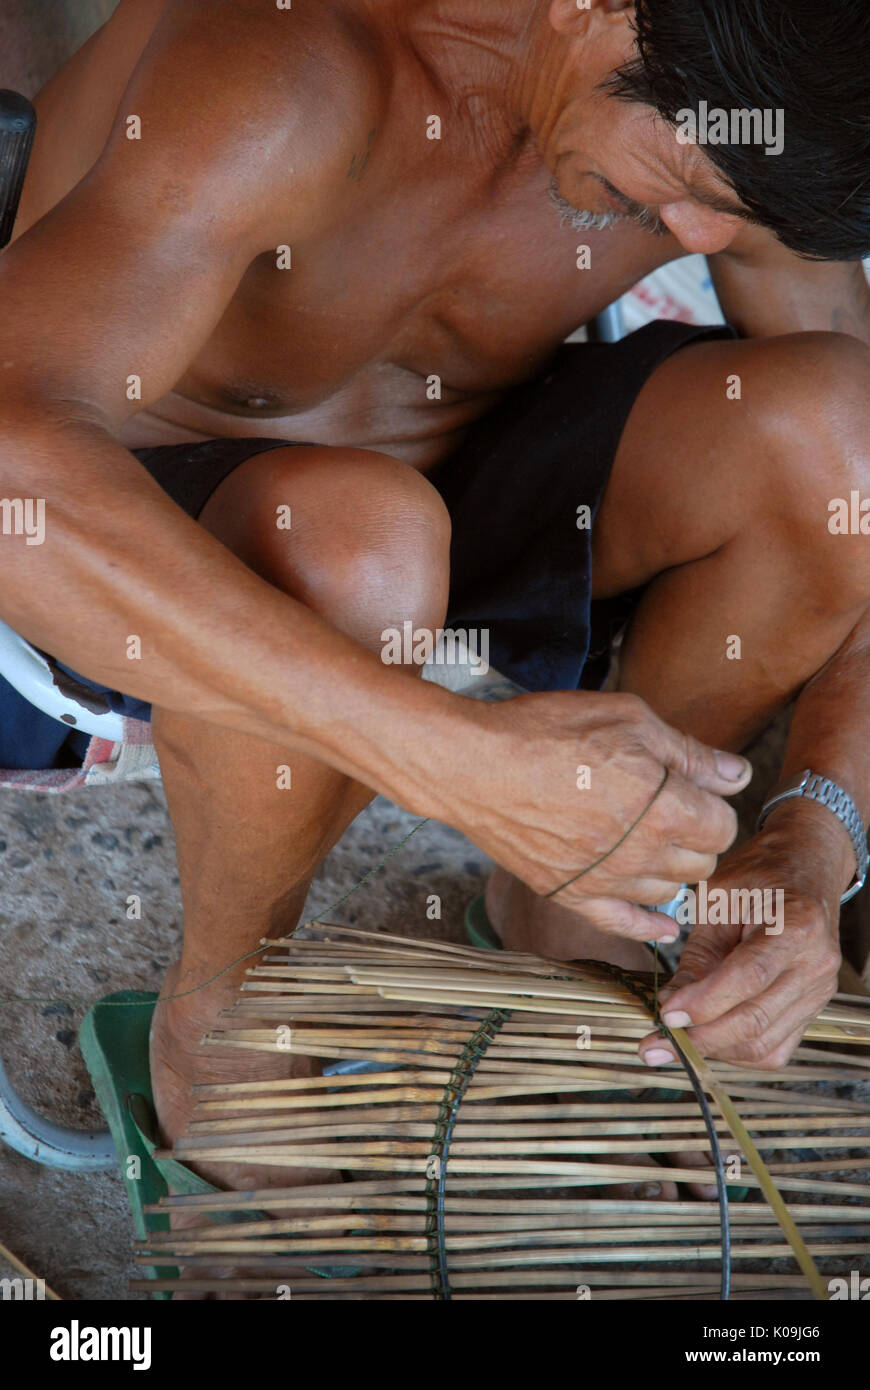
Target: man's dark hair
809 58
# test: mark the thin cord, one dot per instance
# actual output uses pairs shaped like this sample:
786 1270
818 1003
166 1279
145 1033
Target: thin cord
641 992
248 955
141 1003
620 842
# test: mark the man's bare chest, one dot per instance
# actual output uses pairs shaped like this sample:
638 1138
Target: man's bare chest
452 280
427 298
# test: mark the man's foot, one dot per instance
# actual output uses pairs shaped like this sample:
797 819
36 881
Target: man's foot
179 1062
526 922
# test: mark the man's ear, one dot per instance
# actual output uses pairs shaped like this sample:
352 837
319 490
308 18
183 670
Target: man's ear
572 16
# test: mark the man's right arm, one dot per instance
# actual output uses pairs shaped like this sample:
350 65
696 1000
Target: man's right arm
104 303
127 278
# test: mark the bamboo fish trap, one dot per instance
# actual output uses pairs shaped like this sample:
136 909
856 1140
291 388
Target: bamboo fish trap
474 1105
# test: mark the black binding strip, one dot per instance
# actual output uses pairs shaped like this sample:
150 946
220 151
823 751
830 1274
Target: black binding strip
650 1003
448 1111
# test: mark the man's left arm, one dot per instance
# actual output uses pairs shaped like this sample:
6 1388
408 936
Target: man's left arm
750 988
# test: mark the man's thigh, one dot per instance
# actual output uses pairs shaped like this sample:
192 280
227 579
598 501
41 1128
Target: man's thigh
523 489
722 437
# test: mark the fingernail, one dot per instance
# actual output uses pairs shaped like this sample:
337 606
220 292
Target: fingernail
678 1019
731 766
648 1191
657 1057
665 940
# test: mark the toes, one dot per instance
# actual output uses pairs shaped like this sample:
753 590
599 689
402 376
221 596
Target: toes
648 1189
701 1191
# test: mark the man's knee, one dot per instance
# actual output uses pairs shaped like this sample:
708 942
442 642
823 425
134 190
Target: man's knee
809 403
812 374
359 537
811 447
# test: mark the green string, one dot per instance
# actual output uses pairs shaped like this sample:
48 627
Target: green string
621 841
249 955
142 1003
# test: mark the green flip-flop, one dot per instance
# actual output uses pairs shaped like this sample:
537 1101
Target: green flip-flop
114 1041
481 933
478 927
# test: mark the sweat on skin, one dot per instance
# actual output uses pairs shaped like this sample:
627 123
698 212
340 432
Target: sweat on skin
227 343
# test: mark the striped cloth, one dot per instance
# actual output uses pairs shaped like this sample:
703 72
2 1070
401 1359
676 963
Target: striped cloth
134 760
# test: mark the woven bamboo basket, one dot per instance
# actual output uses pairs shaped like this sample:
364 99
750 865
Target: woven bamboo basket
475 1106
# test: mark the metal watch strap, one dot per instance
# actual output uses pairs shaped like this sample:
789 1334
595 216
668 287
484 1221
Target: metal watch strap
828 793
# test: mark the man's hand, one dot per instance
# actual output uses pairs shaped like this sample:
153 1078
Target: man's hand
745 994
552 782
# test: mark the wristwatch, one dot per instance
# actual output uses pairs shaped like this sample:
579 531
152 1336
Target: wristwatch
828 793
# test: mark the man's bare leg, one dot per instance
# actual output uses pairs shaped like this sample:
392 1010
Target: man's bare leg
721 506
368 549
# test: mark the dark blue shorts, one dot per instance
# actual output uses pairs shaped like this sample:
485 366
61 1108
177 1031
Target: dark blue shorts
520 567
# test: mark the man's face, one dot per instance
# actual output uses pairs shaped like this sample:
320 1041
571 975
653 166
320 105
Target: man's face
613 160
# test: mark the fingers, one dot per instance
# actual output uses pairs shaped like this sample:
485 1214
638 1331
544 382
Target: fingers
765 1054
699 824
681 866
761 1032
764 1025
747 972
708 768
706 950
620 918
677 842
750 971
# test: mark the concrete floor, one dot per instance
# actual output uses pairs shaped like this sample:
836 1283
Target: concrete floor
68 864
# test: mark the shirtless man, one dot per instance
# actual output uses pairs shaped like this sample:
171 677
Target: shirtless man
278 251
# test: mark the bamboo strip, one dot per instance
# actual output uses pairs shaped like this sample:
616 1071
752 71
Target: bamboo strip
342 1147
22 1269
379 1252
516 1144
668 1118
748 1148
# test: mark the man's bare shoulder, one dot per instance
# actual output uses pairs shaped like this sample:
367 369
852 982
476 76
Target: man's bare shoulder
267 100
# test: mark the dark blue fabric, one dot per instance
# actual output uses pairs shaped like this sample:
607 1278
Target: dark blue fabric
520 567
31 740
